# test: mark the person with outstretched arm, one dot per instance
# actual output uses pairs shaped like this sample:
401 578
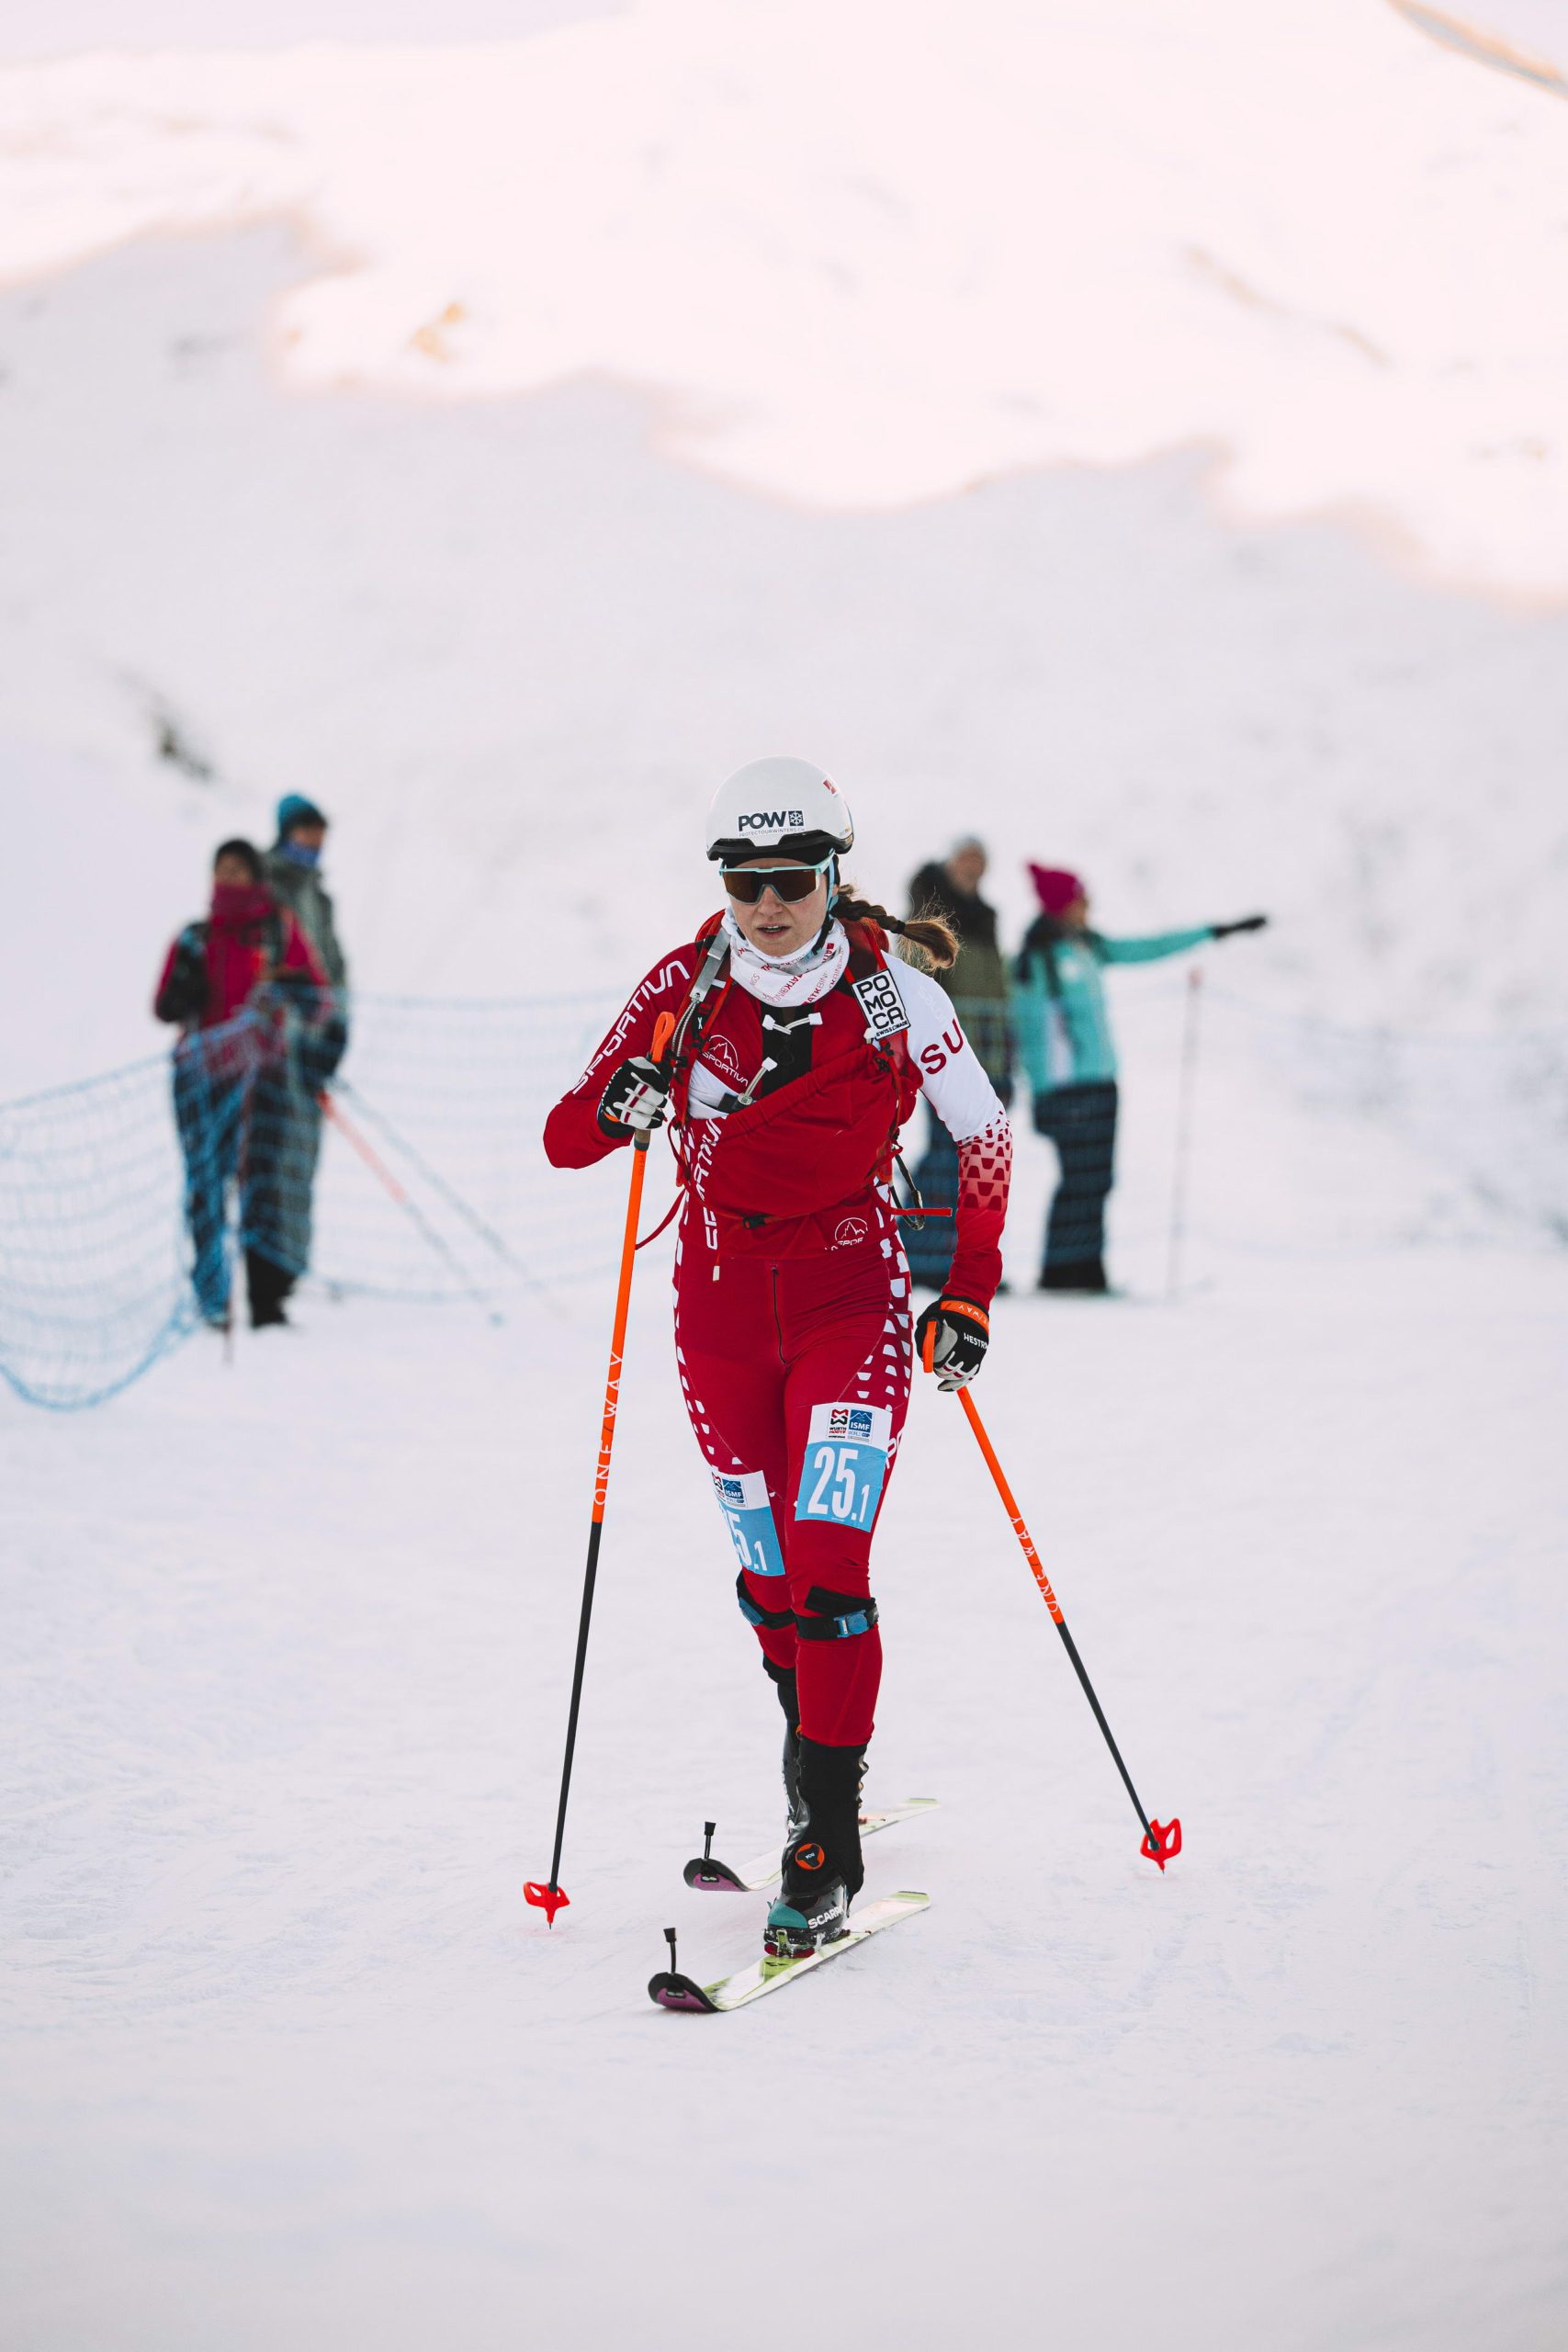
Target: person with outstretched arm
1069 1058
799 1051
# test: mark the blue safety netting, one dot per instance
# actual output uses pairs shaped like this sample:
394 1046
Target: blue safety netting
134 1206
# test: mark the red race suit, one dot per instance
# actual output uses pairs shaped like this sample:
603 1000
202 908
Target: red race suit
792 1293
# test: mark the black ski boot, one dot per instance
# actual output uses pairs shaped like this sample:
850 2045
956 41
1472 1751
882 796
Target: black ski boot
270 1284
782 1679
1083 1274
822 1866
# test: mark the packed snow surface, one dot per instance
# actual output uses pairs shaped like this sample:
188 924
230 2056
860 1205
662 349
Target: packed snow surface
289 2060
500 444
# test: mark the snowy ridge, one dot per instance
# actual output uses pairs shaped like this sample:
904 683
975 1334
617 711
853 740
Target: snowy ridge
512 651
678 198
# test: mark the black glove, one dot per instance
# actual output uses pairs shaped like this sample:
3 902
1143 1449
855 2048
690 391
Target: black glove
183 996
320 1050
636 1099
1248 923
951 1340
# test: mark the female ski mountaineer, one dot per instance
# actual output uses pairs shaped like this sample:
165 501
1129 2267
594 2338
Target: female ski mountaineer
798 1053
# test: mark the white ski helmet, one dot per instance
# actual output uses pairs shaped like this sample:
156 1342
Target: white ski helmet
783 804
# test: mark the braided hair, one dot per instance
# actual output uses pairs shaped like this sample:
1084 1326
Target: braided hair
929 933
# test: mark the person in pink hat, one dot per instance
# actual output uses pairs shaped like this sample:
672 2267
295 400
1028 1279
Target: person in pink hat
1070 1057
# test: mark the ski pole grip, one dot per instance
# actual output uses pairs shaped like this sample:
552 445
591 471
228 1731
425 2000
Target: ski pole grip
663 1030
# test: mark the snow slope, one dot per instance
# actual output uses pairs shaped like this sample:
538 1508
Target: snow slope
289 2061
511 649
1022 236
1225 381
1236 484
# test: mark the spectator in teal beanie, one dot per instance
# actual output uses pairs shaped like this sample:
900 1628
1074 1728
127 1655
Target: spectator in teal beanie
1069 1058
293 872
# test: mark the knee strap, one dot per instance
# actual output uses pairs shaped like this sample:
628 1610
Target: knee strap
843 1615
775 1619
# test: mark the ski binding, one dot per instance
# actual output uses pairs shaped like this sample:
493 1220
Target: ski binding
711 1876
671 1990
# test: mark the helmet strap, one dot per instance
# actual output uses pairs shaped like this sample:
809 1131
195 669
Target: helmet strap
832 898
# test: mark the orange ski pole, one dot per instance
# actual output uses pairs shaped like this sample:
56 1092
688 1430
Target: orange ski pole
551 1896
1161 1839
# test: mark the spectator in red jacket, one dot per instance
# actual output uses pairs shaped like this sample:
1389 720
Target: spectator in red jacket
244 986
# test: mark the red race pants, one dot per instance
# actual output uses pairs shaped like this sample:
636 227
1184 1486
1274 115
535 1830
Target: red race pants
796 1377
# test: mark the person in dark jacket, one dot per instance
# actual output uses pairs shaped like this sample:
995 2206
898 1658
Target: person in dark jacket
977 983
1070 1057
242 986
294 877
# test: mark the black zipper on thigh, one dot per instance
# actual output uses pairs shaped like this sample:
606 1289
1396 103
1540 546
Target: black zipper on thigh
778 1325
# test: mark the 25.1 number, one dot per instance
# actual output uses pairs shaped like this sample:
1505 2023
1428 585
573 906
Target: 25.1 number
850 1496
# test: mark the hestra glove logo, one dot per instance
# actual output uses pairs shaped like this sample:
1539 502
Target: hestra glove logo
774 821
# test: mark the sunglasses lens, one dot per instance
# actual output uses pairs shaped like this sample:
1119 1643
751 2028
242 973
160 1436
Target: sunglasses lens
791 882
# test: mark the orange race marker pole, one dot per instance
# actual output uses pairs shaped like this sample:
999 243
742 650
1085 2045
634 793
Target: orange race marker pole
332 1109
551 1897
1162 1841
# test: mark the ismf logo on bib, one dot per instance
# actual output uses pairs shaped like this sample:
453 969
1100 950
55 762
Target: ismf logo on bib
846 1462
881 1003
748 1515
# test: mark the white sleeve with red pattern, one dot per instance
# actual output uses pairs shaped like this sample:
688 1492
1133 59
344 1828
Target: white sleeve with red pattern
985 1172
954 1083
952 1075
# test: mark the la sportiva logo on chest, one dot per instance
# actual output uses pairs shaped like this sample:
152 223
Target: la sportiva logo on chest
774 821
723 1057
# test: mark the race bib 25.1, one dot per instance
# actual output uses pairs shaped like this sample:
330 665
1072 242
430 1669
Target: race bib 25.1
748 1515
845 1465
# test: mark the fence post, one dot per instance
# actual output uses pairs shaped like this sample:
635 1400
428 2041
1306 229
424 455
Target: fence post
1186 1089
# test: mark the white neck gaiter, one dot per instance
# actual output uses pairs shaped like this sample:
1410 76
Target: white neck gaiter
800 978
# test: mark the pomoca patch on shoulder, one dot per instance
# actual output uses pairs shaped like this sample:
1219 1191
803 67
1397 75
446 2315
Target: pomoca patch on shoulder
845 1465
748 1515
880 1001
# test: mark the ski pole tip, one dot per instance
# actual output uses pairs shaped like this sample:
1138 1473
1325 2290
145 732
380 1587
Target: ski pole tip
549 1899
1163 1843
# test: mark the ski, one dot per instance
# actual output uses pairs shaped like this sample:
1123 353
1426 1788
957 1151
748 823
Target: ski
671 1990
710 1876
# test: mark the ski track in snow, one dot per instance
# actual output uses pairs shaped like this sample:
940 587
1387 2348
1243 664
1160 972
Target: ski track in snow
289 2061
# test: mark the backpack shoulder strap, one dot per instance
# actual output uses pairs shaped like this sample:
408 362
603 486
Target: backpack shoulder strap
699 1007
